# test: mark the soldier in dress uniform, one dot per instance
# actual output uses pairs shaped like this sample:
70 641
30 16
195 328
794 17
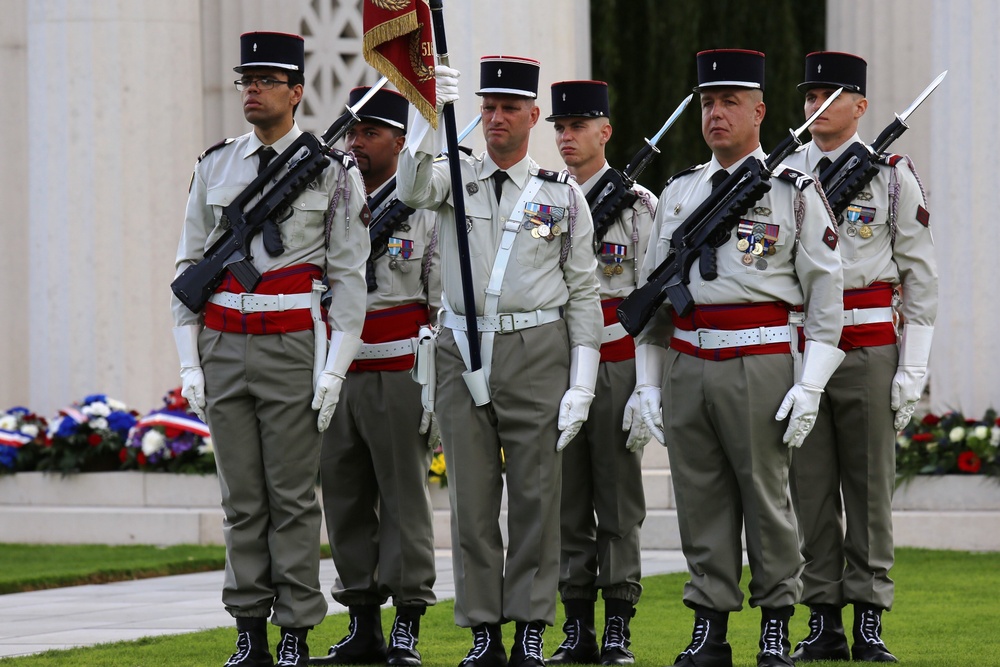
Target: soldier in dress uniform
727 372
375 453
602 469
539 320
851 453
253 364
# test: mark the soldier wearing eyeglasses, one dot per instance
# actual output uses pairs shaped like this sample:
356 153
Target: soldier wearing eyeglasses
250 366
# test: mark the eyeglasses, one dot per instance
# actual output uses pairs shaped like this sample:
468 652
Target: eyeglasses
263 82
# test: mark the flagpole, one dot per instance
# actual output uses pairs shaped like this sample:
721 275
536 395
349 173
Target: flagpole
458 196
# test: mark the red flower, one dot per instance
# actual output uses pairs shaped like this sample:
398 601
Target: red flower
122 454
141 458
94 439
171 432
969 461
923 437
931 420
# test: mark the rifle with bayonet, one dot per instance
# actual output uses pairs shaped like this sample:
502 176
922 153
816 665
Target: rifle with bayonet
306 158
706 228
613 193
857 166
388 212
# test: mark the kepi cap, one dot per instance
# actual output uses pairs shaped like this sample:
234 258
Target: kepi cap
385 106
508 75
272 49
730 67
587 99
833 69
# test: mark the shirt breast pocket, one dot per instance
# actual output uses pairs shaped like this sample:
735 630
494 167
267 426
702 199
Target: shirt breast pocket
866 229
306 219
405 265
478 220
219 198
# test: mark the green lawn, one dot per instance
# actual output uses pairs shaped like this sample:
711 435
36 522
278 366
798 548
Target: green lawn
946 614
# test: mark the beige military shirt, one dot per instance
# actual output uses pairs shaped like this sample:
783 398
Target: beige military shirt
535 279
224 173
411 270
630 233
899 254
804 270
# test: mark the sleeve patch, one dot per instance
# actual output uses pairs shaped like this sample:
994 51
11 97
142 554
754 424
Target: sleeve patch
923 216
797 178
830 238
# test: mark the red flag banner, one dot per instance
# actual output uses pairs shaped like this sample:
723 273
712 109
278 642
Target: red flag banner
399 43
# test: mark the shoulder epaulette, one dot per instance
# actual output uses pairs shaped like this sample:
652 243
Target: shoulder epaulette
346 159
798 179
215 147
889 159
554 176
685 172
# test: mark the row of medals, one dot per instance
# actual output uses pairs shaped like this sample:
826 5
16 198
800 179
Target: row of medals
613 270
543 230
753 248
864 231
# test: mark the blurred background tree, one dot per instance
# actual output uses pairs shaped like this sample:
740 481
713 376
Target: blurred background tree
645 50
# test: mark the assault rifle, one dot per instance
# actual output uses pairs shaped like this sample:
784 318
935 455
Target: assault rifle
306 158
613 193
856 167
388 212
706 228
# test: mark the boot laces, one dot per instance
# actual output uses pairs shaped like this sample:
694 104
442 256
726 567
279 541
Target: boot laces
480 644
242 650
352 629
771 638
572 630
402 634
817 624
699 636
531 643
871 625
288 650
615 634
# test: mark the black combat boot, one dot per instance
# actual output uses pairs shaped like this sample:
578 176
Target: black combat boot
487 647
617 638
404 636
826 640
364 643
293 651
527 648
708 647
774 644
868 644
251 644
580 645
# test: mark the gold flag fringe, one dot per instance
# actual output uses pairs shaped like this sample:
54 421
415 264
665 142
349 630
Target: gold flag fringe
384 32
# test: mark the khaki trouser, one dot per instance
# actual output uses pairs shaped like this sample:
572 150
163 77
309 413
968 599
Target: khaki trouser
378 510
259 390
602 477
850 451
530 374
730 472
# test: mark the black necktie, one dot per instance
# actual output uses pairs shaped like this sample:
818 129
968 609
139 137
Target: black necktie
824 162
719 177
270 232
498 178
370 268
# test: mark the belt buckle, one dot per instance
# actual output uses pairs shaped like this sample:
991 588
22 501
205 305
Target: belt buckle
503 323
243 302
701 343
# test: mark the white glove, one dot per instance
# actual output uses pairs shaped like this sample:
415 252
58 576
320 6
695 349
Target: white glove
911 374
802 400
575 404
343 348
447 85
429 427
643 412
192 377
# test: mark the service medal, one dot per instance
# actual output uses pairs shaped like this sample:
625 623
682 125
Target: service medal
618 269
747 259
758 249
866 232
852 231
543 230
761 264
742 245
535 234
556 230
472 188
609 270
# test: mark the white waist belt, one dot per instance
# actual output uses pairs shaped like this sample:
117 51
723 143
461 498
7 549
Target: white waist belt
714 339
393 348
856 316
248 302
613 332
504 322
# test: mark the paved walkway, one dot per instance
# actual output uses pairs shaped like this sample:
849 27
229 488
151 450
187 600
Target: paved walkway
63 618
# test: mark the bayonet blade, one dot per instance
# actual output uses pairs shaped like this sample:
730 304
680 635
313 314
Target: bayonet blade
670 121
367 96
818 113
923 96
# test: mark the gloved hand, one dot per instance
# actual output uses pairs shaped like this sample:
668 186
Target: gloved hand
911 373
429 427
447 85
802 400
192 376
575 404
343 348
644 405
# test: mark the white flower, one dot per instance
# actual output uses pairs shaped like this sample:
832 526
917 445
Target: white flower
152 442
957 434
117 405
932 446
8 422
981 432
995 436
903 442
96 409
99 424
206 446
29 430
